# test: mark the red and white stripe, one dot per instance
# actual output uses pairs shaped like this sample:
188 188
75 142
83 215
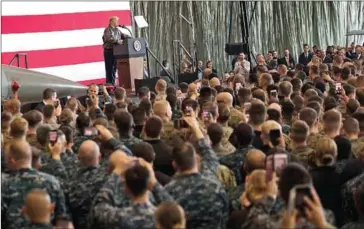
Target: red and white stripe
60 38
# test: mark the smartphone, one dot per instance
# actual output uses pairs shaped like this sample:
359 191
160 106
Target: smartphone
247 107
52 135
206 115
68 97
90 131
273 93
296 198
56 103
198 85
188 111
238 86
274 136
338 88
275 163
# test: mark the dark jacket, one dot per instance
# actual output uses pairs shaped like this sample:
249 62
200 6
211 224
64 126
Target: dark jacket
302 59
326 181
163 157
291 63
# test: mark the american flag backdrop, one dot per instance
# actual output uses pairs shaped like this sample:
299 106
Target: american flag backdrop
60 38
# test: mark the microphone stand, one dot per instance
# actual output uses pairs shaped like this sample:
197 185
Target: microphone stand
124 27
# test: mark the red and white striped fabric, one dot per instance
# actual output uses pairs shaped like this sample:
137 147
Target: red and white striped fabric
60 38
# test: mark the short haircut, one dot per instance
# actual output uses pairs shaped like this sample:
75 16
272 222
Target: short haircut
18 127
257 113
146 104
171 90
68 133
109 111
352 106
184 156
215 132
285 88
332 120
259 94
137 180
310 92
360 117
296 84
330 103
172 99
349 89
299 131
244 134
184 87
34 118
360 96
143 150
119 93
153 127
292 175
336 70
42 134
315 98
314 105
308 115
139 116
48 93
345 73
169 215
143 91
287 108
274 114
351 126
48 111
298 102
124 121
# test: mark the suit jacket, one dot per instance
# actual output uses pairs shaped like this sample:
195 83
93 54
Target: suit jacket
327 60
291 63
40 107
302 59
163 157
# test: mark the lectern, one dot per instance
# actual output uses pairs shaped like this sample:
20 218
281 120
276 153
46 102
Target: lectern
129 61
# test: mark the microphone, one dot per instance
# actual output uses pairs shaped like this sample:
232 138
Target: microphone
122 26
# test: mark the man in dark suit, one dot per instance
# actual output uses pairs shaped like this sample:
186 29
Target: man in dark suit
287 60
49 97
306 56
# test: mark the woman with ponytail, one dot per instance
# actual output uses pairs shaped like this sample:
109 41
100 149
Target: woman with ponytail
326 179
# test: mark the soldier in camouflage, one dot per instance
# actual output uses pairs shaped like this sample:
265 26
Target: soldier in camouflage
86 183
202 197
236 116
112 207
347 193
309 116
21 181
244 134
299 135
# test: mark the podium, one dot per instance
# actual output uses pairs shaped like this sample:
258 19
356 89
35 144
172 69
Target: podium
129 61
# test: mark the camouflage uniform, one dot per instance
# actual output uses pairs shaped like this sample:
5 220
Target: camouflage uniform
81 190
305 154
226 177
78 141
260 215
229 148
40 226
354 225
312 140
236 117
19 184
202 197
56 169
347 192
357 148
234 197
235 161
70 162
32 139
112 198
168 132
286 129
129 141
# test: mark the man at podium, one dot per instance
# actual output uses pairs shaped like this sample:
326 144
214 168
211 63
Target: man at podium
112 36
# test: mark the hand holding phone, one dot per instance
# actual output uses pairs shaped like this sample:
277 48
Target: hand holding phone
273 93
338 88
274 136
296 198
275 163
90 131
53 137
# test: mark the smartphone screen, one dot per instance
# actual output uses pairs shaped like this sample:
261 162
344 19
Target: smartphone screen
275 163
188 111
90 131
206 115
238 86
52 137
273 93
296 198
338 88
274 136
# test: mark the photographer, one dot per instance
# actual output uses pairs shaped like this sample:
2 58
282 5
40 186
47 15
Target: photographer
96 91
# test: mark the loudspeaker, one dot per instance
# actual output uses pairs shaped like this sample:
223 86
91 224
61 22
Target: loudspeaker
236 48
149 83
187 77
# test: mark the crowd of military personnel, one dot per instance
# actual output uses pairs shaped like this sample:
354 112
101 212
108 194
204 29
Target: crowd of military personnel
193 156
